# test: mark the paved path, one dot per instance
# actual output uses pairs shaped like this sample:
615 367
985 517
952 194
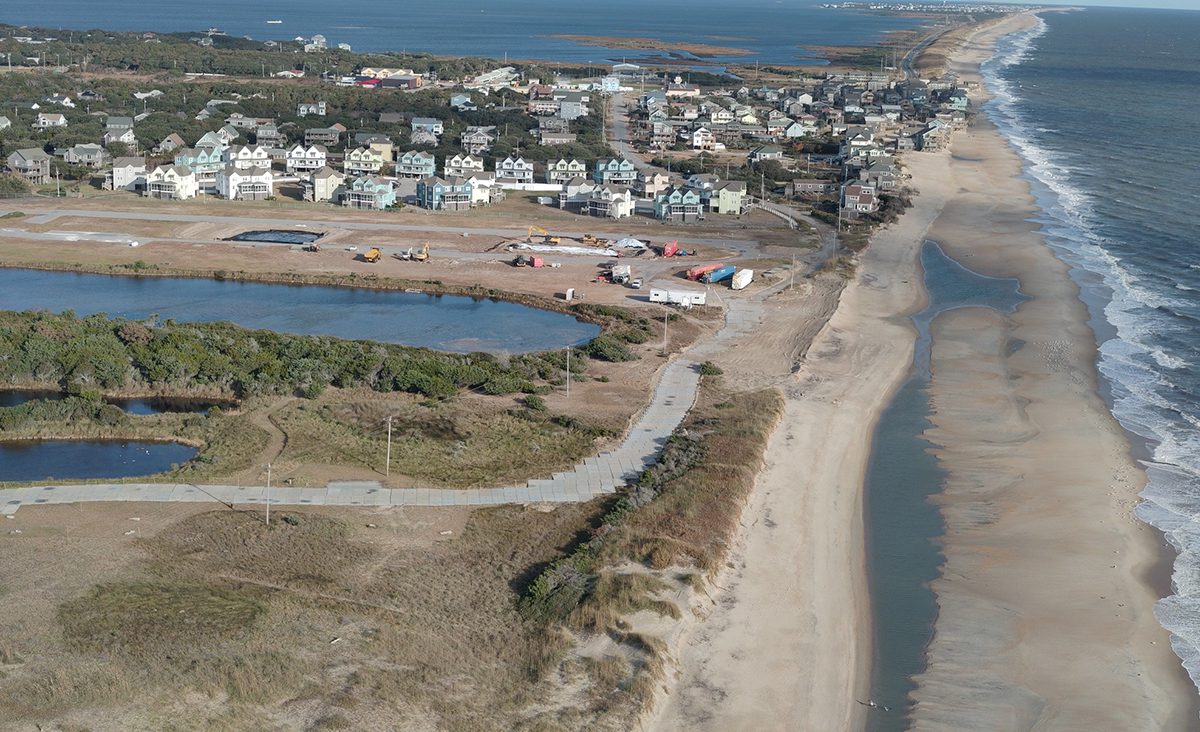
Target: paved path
602 474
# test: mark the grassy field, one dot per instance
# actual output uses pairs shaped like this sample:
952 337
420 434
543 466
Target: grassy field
513 618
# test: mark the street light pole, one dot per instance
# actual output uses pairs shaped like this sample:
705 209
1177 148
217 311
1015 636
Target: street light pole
268 494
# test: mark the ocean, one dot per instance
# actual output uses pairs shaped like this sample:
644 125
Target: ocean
774 31
1102 105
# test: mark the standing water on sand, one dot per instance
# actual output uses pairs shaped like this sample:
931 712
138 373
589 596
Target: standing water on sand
1101 105
902 476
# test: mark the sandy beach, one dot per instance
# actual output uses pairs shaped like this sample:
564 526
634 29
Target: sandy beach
1046 606
1045 602
786 642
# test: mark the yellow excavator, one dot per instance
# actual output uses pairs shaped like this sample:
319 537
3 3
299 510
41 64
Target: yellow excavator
414 256
546 238
593 241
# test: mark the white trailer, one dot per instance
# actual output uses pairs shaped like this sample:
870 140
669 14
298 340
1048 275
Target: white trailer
674 296
742 278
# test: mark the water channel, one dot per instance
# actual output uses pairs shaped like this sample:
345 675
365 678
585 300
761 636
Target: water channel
903 525
443 322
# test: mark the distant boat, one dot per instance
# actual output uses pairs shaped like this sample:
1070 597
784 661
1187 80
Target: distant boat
274 22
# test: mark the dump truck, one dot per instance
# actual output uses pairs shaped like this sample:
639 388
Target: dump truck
372 256
524 260
720 274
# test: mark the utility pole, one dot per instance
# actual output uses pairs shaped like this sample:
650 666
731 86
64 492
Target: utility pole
387 469
268 494
666 317
568 372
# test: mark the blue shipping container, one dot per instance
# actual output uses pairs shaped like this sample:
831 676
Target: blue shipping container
720 274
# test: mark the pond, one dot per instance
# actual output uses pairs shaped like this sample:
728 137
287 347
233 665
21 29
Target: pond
138 405
38 460
279 236
441 322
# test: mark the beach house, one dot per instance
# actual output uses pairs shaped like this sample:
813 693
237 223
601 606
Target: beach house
31 163
245 184
416 164
172 182
462 166
562 170
362 161
617 171
444 194
512 170
370 192
302 159
680 205
323 185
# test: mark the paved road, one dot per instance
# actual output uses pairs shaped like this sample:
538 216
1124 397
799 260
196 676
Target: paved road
673 396
283 220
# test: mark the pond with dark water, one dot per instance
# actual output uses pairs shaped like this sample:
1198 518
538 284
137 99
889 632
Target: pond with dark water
452 323
45 460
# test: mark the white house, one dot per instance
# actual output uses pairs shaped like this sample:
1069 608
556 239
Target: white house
124 136
128 174
462 166
306 158
172 182
53 119
245 157
514 170
245 184
362 161
609 201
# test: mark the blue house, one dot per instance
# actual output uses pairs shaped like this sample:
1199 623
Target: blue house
679 204
444 194
369 191
204 161
614 171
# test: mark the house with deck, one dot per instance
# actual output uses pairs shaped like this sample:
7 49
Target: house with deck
647 186
245 184
304 159
416 164
172 182
369 192
362 161
327 136
323 185
726 197
31 163
609 201
432 125
859 198
562 170
91 155
679 205
127 174
245 157
444 194
477 140
311 109
462 166
616 171
514 170
202 161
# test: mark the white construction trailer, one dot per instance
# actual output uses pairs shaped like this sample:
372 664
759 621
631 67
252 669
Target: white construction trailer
677 296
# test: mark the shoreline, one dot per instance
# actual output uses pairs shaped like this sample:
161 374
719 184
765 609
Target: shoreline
1034 625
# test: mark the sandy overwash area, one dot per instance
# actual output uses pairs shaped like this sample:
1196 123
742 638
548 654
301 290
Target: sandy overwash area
1046 607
